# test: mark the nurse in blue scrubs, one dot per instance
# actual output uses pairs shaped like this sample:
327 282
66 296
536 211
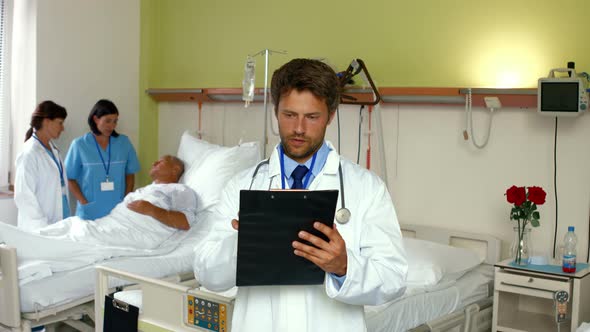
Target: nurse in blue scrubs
101 164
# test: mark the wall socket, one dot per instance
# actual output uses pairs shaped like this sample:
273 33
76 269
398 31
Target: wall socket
492 102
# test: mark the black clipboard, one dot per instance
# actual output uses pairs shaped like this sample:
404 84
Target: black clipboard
119 316
269 222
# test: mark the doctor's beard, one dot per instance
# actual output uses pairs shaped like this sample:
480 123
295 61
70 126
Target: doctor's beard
304 155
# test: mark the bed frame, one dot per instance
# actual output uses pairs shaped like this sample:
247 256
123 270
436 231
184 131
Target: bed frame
12 319
71 313
474 318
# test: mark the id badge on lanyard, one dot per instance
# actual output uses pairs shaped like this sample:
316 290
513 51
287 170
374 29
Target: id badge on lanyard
107 185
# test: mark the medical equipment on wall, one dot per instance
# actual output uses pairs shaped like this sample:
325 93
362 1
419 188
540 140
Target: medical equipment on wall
492 104
342 215
562 96
168 305
358 68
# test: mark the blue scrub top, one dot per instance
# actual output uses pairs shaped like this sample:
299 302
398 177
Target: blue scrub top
83 164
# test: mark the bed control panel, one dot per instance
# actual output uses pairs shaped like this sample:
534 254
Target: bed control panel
208 312
561 298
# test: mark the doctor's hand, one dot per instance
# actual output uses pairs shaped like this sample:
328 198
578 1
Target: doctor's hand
329 256
235 224
141 206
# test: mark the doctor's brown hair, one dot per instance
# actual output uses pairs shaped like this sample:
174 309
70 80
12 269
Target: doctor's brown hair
45 110
306 75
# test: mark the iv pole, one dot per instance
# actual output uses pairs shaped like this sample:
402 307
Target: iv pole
266 53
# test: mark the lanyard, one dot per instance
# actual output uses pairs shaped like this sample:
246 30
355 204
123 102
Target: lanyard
57 162
283 168
107 166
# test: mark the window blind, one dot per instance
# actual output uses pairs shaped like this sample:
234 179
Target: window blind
4 110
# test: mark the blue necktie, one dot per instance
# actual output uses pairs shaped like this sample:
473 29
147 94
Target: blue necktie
297 175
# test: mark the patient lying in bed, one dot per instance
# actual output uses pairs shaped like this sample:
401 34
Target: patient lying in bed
148 222
144 219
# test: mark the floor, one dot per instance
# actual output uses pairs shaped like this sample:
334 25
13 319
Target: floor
61 327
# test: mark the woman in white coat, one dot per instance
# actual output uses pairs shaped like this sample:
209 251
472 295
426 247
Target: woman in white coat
39 191
363 258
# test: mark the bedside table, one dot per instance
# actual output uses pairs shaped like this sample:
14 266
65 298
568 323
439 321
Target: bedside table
524 297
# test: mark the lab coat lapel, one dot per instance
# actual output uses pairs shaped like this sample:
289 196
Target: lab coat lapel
328 176
320 182
274 169
42 152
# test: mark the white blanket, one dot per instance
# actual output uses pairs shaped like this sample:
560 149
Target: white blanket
73 242
40 256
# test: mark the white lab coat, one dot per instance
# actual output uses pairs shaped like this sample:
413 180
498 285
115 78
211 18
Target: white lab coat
37 187
376 259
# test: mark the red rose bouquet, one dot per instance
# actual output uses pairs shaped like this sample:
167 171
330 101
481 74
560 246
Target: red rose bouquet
525 202
524 211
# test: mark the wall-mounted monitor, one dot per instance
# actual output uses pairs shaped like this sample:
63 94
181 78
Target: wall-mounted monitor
562 96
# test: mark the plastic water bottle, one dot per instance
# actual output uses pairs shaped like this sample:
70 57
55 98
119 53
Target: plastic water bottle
569 251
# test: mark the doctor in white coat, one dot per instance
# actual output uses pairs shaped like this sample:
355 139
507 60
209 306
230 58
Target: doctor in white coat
364 259
39 190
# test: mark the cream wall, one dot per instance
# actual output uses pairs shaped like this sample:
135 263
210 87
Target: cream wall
435 177
88 50
82 51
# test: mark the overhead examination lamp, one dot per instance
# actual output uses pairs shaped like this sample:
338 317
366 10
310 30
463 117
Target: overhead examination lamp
356 67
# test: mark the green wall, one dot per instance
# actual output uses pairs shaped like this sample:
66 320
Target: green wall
204 43
148 77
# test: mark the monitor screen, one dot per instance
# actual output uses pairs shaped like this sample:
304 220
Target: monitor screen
559 97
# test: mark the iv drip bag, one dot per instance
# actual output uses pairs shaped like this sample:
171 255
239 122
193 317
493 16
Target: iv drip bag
249 81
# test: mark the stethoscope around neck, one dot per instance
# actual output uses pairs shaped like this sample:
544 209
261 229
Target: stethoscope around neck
342 215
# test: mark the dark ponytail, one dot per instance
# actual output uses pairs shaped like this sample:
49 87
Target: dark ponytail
45 110
29 134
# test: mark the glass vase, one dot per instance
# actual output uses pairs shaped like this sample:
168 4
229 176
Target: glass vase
521 245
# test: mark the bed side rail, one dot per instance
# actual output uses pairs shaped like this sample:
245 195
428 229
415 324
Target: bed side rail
163 302
452 322
476 317
480 318
9 291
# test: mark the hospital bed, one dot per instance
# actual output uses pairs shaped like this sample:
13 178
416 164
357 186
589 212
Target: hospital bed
464 304
67 297
459 302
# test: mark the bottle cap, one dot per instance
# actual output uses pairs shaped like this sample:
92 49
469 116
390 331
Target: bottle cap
570 228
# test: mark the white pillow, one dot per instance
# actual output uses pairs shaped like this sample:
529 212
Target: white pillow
431 263
190 148
213 166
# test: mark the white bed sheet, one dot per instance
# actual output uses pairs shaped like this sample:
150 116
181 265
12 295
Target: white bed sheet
419 306
64 287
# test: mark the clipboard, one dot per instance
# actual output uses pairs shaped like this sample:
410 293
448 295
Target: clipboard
119 316
269 222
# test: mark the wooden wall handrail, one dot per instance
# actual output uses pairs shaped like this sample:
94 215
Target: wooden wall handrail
523 98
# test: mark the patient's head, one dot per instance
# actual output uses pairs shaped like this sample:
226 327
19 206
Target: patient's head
167 169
